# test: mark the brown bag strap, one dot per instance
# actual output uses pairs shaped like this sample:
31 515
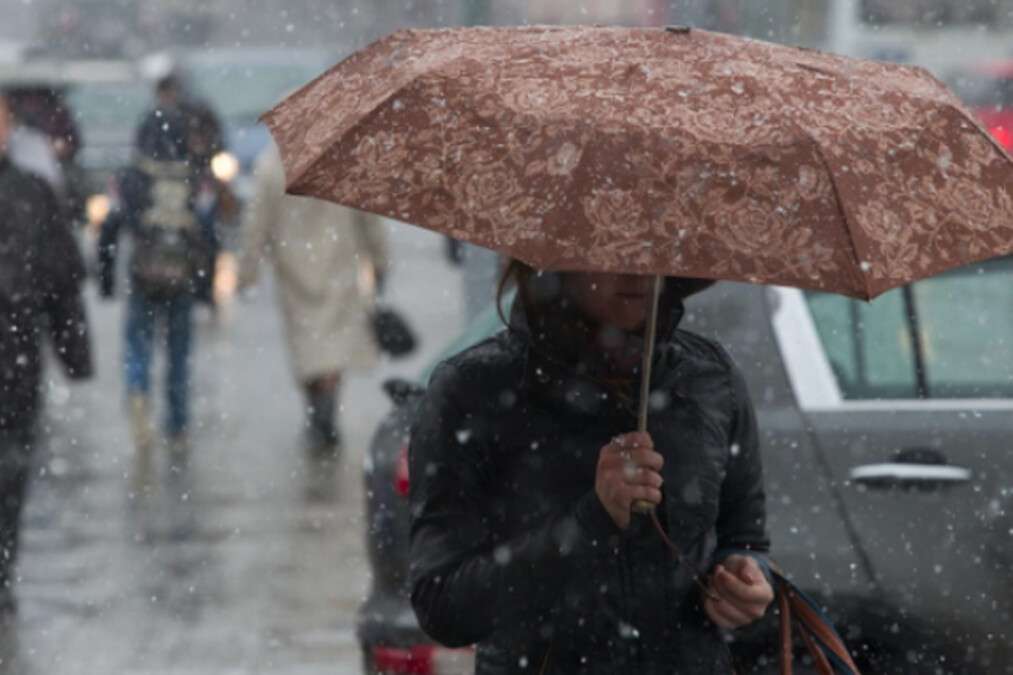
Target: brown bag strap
784 618
819 658
818 635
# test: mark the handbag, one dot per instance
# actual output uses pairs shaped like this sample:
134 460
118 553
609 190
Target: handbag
391 331
795 611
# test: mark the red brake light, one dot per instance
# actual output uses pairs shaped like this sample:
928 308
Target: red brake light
401 480
1003 135
423 660
415 660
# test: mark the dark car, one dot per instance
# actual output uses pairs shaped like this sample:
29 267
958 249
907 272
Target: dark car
886 436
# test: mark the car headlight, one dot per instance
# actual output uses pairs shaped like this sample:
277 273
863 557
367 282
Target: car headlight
225 166
96 209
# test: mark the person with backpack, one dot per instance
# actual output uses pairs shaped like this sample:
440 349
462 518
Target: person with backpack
41 273
157 206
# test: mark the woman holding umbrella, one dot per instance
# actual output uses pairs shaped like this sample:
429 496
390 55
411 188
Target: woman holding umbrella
524 477
633 153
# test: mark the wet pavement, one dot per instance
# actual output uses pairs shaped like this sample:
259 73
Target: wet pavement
248 559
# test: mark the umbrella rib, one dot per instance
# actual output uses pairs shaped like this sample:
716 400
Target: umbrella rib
338 135
840 208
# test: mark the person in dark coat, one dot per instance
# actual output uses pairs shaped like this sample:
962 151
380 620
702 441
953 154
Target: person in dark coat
524 471
41 272
44 108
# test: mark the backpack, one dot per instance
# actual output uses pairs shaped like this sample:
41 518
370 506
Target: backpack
168 249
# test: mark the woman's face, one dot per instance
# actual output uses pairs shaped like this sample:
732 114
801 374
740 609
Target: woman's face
619 300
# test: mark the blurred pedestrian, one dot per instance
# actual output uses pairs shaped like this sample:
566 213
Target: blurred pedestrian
215 203
324 257
31 150
47 141
44 107
41 272
169 255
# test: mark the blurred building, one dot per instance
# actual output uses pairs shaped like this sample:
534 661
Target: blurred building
18 21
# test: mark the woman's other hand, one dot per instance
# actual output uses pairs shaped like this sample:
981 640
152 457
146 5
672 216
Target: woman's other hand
739 593
628 471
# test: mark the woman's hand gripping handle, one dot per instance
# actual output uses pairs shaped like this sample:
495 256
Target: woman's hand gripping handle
628 474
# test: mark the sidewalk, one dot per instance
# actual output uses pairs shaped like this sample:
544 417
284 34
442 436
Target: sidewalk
237 565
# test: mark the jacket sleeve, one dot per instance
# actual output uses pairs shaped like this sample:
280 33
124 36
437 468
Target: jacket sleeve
124 216
61 275
108 242
743 513
467 582
261 215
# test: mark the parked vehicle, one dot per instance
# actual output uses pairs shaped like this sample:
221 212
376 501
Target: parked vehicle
988 89
885 435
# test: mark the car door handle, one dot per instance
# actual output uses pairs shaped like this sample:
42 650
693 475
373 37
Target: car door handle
906 474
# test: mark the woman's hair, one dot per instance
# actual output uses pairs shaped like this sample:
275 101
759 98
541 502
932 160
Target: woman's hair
517 273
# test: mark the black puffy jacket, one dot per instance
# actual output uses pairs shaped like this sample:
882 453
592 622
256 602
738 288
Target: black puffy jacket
41 273
511 548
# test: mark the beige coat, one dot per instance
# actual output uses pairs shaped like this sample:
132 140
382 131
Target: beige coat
321 254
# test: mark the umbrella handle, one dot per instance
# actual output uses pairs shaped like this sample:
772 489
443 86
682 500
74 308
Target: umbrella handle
650 334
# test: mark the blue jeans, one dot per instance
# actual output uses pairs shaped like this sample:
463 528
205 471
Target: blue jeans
143 315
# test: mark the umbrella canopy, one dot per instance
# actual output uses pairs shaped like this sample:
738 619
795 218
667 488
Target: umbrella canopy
657 151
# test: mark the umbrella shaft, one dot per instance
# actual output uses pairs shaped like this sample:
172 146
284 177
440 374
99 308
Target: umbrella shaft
650 335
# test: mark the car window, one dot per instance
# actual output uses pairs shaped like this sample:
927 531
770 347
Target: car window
868 344
967 324
930 12
983 91
965 320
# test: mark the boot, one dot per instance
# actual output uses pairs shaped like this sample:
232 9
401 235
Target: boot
143 436
323 436
179 452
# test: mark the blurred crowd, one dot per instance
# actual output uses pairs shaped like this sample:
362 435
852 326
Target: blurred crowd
172 236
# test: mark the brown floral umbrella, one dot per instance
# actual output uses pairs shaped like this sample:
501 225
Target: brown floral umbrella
657 151
671 152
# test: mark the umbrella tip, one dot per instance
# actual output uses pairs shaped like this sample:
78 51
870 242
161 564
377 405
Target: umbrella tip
678 29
